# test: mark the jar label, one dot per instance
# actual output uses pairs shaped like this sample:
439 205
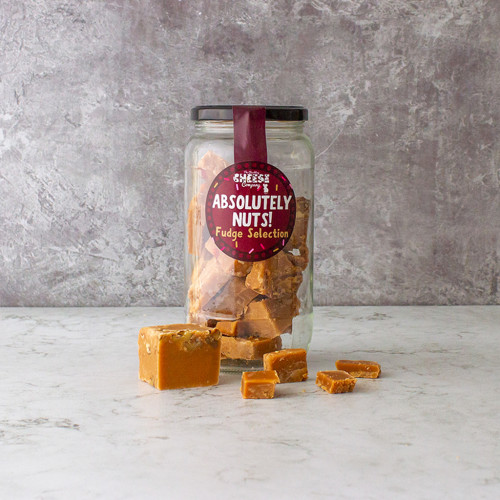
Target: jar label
250 211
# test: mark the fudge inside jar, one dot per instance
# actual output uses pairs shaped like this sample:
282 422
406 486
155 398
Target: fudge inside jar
248 244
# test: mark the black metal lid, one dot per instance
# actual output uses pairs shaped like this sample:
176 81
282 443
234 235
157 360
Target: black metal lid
273 113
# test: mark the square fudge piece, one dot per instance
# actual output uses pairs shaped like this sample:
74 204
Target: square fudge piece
258 385
290 364
335 381
275 277
179 356
249 348
359 368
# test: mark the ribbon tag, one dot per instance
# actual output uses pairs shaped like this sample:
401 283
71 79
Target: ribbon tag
249 134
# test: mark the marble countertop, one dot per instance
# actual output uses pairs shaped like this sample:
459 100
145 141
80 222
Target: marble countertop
75 421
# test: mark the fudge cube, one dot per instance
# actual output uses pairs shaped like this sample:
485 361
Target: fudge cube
247 348
275 277
179 356
335 381
268 318
359 368
258 385
289 364
231 328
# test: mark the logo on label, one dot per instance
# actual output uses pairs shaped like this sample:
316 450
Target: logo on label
250 211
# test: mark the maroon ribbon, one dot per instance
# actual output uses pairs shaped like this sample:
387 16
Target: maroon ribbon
249 133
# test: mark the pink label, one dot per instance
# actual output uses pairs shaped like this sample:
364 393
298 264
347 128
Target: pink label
250 211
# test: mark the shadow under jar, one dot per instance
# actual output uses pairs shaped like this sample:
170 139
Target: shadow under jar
249 190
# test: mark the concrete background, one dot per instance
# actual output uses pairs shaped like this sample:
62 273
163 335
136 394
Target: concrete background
94 115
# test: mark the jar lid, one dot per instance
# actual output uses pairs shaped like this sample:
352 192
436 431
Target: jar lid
273 113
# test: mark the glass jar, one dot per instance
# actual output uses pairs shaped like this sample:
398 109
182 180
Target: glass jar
249 229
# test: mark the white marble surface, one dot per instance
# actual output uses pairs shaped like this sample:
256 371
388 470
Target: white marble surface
75 422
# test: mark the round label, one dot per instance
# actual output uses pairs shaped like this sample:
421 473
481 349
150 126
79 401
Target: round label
250 211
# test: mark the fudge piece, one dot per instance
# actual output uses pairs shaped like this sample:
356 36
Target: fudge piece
359 368
264 309
231 299
215 290
178 356
210 165
227 264
272 317
247 348
194 225
299 235
206 283
258 385
296 247
275 277
262 328
264 318
231 328
266 328
290 364
299 258
335 381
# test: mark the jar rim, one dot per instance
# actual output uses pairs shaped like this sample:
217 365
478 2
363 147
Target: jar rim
224 112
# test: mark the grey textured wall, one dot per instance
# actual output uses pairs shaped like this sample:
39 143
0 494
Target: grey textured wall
404 105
